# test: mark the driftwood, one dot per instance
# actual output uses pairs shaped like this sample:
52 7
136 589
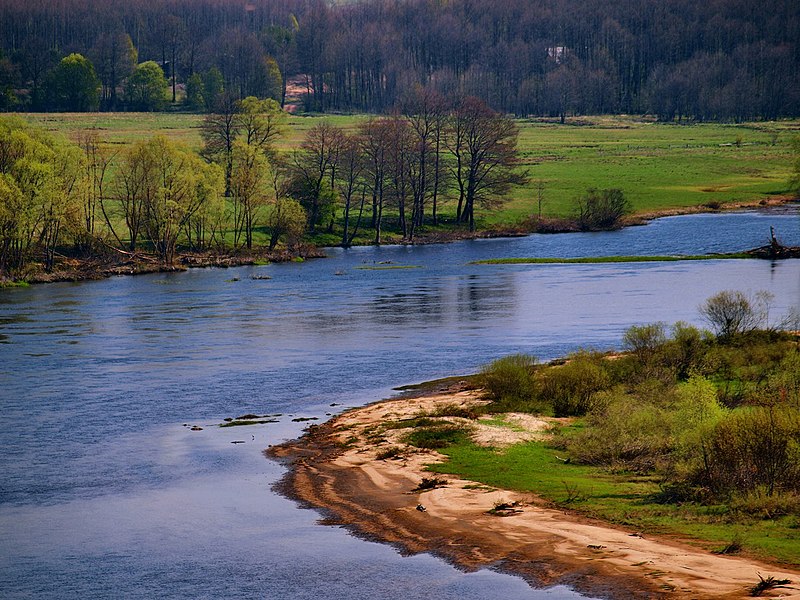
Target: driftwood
775 250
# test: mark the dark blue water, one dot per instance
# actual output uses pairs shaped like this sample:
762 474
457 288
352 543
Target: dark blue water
105 493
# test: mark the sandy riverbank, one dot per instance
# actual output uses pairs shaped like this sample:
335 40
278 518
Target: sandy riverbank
335 469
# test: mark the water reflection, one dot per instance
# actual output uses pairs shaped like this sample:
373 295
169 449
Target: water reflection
103 489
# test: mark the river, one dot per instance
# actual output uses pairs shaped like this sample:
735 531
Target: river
105 491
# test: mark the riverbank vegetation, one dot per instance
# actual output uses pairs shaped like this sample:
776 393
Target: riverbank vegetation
689 432
557 163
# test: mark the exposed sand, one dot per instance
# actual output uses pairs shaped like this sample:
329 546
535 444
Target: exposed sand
546 546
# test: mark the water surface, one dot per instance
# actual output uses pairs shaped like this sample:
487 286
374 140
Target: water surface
105 492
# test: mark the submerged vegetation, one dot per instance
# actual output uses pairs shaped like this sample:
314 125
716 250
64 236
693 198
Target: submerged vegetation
689 432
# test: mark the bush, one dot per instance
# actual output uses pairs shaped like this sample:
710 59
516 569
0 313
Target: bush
439 436
511 378
731 313
754 448
625 434
601 209
570 387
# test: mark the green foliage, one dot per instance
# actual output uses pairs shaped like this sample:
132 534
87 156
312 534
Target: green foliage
569 388
73 85
213 88
622 434
146 88
437 436
195 93
510 379
40 187
287 220
601 209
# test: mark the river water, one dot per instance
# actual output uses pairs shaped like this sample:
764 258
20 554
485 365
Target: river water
106 492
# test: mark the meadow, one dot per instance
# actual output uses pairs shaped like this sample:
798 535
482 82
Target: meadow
661 167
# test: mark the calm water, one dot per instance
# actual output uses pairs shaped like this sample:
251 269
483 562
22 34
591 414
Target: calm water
104 492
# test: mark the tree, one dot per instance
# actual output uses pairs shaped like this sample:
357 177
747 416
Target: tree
173 194
115 57
262 122
249 189
195 98
484 145
794 183
146 88
73 85
40 179
213 89
349 178
287 219
219 132
732 313
312 168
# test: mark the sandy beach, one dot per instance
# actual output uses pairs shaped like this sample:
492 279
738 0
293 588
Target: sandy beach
335 468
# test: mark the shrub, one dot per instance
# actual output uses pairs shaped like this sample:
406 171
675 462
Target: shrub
754 448
731 312
570 387
624 434
510 378
601 209
436 437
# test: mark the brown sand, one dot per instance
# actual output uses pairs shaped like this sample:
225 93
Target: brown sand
375 498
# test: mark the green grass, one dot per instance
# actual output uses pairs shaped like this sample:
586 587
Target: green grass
625 499
660 167
609 259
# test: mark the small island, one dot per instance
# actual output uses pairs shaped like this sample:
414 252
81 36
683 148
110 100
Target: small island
669 469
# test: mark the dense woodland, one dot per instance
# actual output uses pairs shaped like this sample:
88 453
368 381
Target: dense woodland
677 59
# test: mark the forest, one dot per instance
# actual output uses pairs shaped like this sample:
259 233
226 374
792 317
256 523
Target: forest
674 59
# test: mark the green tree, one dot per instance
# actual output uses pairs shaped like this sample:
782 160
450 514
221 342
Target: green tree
73 85
146 88
40 179
286 220
195 93
213 88
249 190
262 122
165 184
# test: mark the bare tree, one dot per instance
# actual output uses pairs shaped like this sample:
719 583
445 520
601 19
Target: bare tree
484 145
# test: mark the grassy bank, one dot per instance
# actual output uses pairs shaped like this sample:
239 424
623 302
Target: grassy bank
688 433
660 167
626 499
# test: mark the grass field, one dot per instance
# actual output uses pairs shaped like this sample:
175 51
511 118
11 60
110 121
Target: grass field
659 166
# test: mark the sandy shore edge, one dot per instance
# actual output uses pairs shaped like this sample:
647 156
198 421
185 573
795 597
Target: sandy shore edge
334 468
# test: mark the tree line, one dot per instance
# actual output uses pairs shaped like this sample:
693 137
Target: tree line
388 173
675 59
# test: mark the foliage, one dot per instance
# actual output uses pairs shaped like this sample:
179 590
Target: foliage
601 209
570 388
195 93
40 188
510 379
73 85
146 88
287 219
